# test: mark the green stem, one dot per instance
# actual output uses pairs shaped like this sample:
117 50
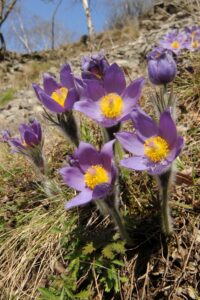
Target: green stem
165 180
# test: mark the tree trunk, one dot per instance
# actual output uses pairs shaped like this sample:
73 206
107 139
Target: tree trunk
89 19
3 43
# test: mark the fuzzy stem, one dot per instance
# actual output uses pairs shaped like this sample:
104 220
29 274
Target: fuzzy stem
165 181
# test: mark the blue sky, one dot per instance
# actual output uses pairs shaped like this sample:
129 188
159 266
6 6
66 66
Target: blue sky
70 14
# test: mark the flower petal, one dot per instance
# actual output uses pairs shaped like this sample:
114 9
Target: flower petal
94 89
138 163
107 149
176 149
50 103
131 142
84 197
101 191
50 84
89 108
66 77
73 177
72 97
167 128
145 126
132 93
87 156
114 80
30 138
37 90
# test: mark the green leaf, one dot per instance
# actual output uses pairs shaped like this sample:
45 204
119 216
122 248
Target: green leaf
47 294
108 252
89 248
119 247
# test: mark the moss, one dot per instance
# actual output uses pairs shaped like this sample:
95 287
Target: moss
6 96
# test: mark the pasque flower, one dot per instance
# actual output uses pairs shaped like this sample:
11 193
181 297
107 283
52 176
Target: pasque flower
30 142
174 41
94 66
90 172
161 66
109 101
154 146
58 97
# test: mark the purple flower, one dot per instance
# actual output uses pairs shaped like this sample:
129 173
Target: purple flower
29 143
58 97
173 41
192 31
154 146
94 66
109 101
161 66
90 172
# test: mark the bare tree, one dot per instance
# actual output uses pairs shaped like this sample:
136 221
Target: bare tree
90 26
53 24
6 7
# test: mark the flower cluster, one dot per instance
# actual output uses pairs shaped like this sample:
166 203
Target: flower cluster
176 41
102 93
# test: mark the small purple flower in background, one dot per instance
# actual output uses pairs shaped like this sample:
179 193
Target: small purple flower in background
192 31
91 172
193 38
94 66
29 144
173 41
58 97
154 146
161 66
109 101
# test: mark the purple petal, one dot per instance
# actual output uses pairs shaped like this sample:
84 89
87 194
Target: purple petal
50 103
144 125
90 109
66 77
131 142
132 93
159 168
175 151
167 128
84 197
107 149
72 97
30 138
35 125
73 177
101 191
50 84
136 163
87 156
114 80
37 90
94 89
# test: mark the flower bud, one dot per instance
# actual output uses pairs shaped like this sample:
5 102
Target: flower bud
161 66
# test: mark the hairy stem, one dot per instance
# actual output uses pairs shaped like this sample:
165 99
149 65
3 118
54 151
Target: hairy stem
165 181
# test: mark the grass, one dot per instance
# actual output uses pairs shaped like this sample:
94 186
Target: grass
6 96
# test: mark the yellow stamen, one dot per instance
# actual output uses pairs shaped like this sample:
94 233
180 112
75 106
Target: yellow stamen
175 45
156 148
60 96
111 105
195 44
193 34
95 175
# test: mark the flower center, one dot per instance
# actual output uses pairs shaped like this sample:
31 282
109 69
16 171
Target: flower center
111 105
95 175
60 96
195 44
175 45
156 148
